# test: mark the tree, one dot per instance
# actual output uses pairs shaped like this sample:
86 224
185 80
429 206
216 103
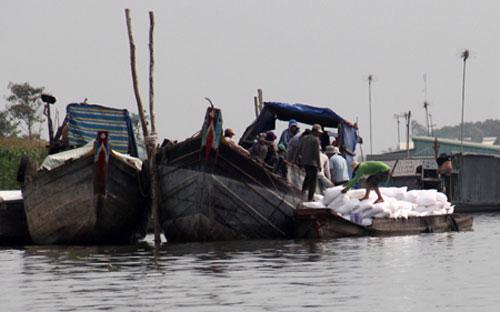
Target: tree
7 128
417 129
136 124
24 105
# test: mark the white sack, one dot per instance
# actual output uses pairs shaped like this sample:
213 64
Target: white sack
313 205
357 194
338 202
441 197
426 197
331 194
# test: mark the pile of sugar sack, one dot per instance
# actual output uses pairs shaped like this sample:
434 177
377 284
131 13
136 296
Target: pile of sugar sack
398 203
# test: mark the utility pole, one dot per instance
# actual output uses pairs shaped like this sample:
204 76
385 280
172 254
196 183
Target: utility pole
396 117
407 118
370 79
426 106
465 56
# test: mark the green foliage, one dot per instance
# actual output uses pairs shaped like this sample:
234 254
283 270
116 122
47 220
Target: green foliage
7 128
476 131
11 150
24 105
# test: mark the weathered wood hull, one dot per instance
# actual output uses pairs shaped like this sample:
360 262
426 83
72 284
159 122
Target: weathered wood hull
13 226
323 223
62 206
227 196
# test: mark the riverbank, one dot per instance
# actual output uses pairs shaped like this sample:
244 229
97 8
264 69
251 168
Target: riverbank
11 151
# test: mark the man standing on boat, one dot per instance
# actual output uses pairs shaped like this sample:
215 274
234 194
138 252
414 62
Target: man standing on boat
338 166
376 172
309 159
289 133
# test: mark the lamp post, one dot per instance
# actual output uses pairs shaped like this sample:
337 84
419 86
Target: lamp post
370 79
465 56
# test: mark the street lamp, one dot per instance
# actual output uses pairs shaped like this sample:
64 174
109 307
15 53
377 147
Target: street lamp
370 79
465 56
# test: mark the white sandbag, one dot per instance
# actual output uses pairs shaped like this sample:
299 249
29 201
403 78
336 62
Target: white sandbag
412 213
348 206
357 194
387 191
367 221
318 198
313 205
400 193
411 196
441 197
426 197
331 194
439 212
383 214
372 212
364 205
341 200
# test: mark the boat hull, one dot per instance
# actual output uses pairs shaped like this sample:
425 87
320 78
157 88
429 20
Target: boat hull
13 226
223 197
62 206
324 223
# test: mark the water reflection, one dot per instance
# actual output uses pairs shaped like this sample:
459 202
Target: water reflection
445 272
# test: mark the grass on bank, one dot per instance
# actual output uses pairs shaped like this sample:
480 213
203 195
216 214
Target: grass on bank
11 151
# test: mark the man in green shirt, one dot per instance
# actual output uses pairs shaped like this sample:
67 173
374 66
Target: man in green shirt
376 172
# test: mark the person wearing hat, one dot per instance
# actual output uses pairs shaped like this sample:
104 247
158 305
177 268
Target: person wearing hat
281 165
338 165
271 155
258 151
375 171
309 159
289 133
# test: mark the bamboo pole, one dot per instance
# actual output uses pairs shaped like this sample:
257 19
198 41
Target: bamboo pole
152 140
261 100
256 105
134 76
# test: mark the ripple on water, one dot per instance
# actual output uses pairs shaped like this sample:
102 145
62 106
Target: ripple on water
440 272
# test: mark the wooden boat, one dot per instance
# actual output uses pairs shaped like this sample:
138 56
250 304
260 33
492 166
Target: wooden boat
211 189
325 223
13 226
93 195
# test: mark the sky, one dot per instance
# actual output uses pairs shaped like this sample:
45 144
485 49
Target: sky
312 52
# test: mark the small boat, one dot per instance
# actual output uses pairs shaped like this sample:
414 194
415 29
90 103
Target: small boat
211 189
92 194
326 223
13 227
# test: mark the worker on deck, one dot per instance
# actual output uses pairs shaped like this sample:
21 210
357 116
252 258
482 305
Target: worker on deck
289 133
259 150
376 172
338 166
292 155
271 155
228 135
309 159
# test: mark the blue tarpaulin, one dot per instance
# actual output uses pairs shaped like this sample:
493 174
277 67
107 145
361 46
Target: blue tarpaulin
300 112
84 120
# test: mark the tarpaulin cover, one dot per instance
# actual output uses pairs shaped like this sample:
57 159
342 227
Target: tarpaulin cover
300 112
84 120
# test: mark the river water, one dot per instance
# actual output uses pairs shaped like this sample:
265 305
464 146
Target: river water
428 272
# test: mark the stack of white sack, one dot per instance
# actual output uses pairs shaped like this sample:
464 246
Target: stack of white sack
398 203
